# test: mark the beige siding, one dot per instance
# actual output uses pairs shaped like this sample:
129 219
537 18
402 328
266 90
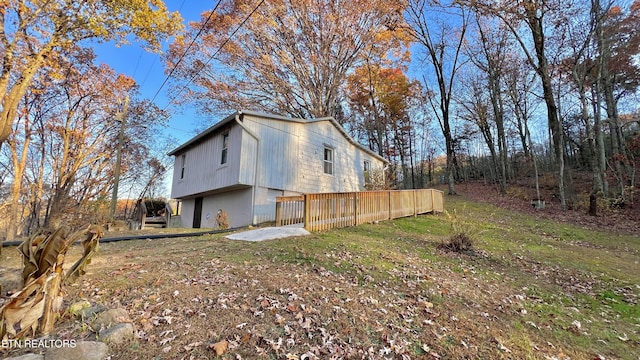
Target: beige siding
248 159
188 207
292 156
203 170
237 205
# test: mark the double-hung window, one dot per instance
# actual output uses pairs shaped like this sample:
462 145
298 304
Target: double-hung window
183 160
225 148
328 160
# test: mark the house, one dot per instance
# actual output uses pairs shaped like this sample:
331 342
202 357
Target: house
242 163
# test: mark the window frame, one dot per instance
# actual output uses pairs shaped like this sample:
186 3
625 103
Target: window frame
224 154
183 160
328 161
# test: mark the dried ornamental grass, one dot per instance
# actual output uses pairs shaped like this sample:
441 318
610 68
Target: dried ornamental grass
36 306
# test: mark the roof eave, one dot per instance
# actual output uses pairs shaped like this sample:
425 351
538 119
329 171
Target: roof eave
204 134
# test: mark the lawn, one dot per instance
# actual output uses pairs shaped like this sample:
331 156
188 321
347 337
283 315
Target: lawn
530 289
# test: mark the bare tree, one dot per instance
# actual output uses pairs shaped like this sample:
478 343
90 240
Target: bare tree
289 57
443 43
489 56
533 14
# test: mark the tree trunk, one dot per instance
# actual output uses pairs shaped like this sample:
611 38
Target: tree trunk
450 155
555 125
592 134
618 146
496 101
19 164
11 96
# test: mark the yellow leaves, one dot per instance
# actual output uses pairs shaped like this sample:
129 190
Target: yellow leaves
147 22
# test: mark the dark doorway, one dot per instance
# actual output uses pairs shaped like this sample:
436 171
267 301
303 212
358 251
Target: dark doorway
197 213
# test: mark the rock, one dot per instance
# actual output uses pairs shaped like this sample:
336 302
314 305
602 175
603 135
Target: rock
117 334
86 350
27 357
90 312
76 308
109 318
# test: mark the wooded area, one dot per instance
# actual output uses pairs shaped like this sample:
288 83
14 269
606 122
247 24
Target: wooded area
61 113
501 92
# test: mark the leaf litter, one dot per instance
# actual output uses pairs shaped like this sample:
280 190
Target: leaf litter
191 303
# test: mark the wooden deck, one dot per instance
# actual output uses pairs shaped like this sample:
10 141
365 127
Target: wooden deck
323 211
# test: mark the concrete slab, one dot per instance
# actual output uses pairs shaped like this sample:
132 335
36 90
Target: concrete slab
269 233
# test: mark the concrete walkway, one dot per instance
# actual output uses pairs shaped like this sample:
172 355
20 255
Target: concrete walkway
270 233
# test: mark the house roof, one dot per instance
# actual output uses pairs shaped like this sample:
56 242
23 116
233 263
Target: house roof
205 134
238 114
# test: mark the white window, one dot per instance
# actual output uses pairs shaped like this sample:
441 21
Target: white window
225 148
183 160
328 160
367 166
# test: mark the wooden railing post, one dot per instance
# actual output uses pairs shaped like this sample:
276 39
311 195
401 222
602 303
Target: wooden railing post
433 201
306 211
355 209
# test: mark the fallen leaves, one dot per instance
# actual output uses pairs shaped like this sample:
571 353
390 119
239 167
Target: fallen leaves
345 305
220 347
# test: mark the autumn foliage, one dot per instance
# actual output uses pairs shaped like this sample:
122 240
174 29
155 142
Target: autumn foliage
288 57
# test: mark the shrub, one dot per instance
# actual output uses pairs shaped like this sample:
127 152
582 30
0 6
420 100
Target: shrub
459 242
462 234
37 305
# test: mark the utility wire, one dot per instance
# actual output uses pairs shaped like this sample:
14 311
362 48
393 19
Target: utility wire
184 53
214 54
154 58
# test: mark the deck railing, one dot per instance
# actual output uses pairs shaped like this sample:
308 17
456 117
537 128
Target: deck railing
289 210
322 211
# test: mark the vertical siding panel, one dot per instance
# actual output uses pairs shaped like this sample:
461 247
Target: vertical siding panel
289 158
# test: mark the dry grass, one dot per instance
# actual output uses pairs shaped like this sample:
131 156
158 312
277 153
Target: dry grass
371 292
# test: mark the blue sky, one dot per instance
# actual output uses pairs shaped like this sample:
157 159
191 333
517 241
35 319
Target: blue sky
148 70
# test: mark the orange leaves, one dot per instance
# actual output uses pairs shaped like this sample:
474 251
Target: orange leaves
125 82
292 56
615 10
58 27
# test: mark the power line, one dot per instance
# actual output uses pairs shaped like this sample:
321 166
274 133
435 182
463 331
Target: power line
135 70
144 81
184 53
154 58
214 54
